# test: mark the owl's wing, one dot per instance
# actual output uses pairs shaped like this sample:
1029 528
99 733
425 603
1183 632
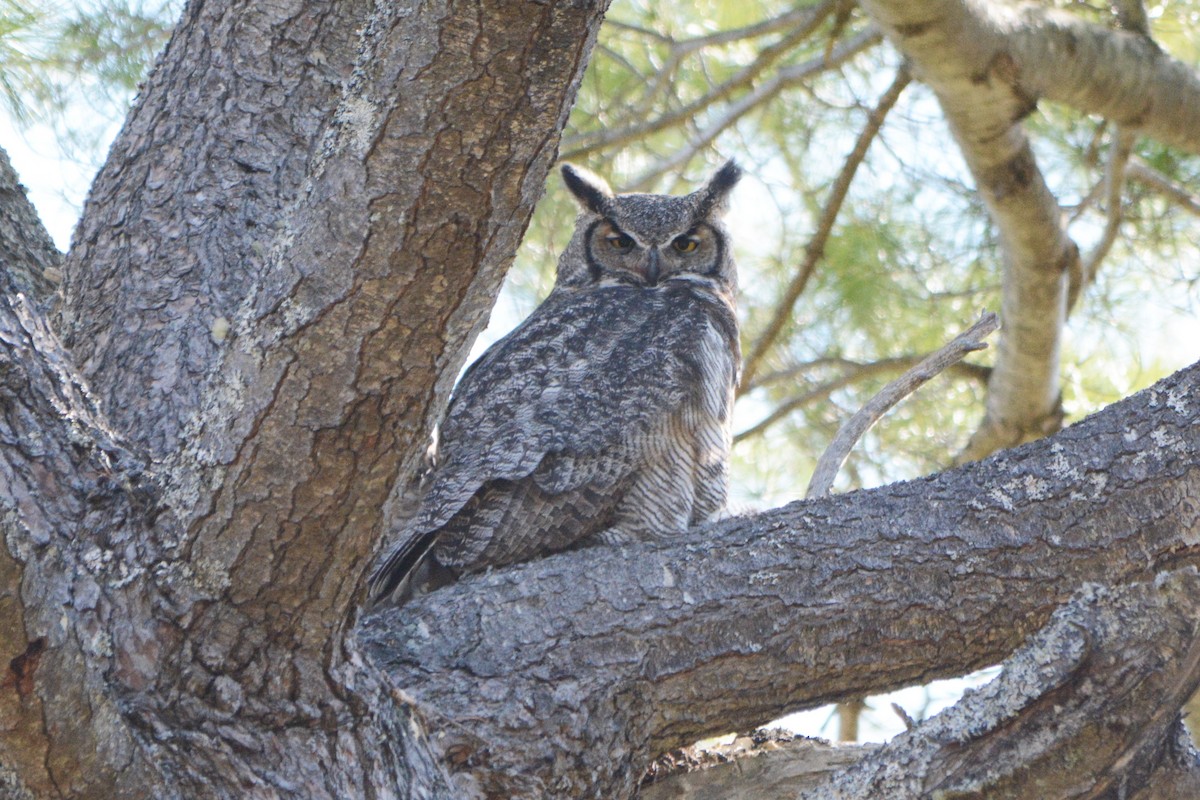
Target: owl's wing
561 395
583 373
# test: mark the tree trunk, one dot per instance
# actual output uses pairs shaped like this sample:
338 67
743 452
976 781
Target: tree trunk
277 275
989 64
26 251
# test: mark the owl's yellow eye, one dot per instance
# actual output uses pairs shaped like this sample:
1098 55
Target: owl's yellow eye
619 242
685 243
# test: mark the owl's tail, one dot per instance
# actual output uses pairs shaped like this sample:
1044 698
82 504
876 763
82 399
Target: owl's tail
406 570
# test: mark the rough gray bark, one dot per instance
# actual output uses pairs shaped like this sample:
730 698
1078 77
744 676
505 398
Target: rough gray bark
753 771
567 677
1125 656
276 277
27 253
275 281
1115 666
61 471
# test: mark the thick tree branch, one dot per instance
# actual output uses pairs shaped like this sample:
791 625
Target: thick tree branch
1129 657
1125 656
276 277
280 270
577 670
68 490
1119 75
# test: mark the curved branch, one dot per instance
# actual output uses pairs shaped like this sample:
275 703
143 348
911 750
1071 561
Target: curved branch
805 22
752 771
1129 656
852 429
1120 75
570 674
964 52
1125 656
989 64
855 372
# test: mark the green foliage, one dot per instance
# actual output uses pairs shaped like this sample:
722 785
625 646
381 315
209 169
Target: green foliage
913 256
76 68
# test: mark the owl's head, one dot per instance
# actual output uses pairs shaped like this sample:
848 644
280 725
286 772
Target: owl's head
649 239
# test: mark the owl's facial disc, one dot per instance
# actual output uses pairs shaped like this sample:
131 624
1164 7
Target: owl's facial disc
633 258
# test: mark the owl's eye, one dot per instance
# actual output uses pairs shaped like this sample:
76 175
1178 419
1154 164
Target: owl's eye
685 243
619 242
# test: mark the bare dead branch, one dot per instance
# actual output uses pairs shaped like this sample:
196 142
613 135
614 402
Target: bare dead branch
638 30
1114 189
815 250
854 373
1177 193
852 430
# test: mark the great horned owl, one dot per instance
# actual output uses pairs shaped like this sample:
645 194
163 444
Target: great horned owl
604 416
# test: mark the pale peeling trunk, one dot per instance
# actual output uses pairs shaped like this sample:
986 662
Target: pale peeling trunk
989 64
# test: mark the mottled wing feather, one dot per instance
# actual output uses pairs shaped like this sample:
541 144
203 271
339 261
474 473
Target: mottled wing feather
548 522
581 374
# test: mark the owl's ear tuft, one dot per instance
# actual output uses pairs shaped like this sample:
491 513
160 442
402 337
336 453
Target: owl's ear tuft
592 192
713 196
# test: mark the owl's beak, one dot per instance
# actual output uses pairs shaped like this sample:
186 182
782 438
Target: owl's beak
653 270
